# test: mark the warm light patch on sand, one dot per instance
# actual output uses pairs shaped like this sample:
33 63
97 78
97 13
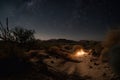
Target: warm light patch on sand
80 53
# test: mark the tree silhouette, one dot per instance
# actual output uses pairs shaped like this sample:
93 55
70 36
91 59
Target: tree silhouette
17 34
23 35
5 33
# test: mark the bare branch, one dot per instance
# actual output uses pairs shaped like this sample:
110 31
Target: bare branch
7 24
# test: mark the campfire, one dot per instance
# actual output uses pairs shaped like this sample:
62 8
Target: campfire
80 53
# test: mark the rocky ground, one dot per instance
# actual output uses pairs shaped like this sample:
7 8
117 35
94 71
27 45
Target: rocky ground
90 67
41 66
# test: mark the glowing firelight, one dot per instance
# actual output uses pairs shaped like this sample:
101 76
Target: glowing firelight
80 53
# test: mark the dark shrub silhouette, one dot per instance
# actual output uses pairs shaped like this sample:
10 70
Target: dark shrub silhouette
12 59
112 38
20 35
5 33
23 35
115 58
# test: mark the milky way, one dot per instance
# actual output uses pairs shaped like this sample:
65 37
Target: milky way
70 19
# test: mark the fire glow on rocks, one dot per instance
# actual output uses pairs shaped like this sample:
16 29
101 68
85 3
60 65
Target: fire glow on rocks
80 53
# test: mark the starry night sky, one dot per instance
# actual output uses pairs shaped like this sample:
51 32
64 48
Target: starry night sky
70 19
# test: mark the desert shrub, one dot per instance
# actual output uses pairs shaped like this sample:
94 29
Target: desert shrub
98 49
5 33
114 55
112 38
23 35
104 55
12 60
20 35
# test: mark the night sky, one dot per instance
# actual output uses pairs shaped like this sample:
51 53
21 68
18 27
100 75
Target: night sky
69 19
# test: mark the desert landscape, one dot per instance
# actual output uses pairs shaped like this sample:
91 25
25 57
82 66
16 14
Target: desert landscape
59 40
57 59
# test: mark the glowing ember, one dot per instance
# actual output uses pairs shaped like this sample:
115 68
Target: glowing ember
80 53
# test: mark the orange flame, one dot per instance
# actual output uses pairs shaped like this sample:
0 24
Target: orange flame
80 53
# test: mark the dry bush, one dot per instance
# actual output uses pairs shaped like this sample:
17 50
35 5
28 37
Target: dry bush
98 47
112 38
96 50
115 58
104 55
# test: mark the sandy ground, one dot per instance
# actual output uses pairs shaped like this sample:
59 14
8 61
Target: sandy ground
89 66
